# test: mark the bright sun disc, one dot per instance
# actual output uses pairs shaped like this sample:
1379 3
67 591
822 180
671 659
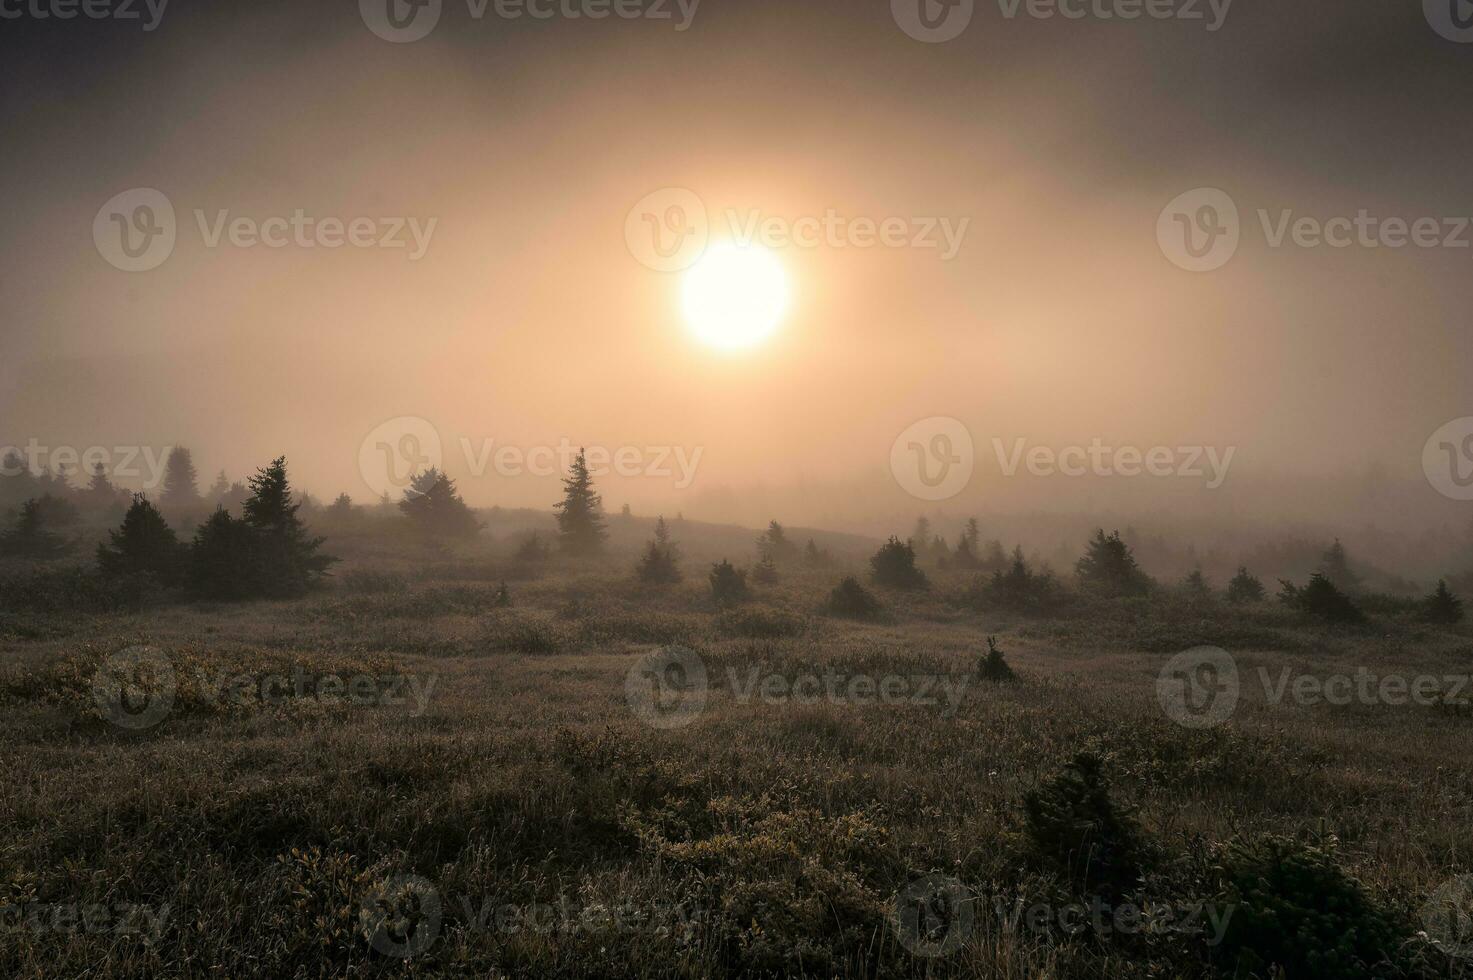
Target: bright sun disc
735 296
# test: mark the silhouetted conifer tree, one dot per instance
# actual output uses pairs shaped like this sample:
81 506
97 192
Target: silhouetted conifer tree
436 508
144 544
580 513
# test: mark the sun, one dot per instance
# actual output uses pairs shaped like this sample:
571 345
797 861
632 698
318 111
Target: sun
734 296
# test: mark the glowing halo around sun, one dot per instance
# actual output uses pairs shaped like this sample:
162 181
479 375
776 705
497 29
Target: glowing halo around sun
735 296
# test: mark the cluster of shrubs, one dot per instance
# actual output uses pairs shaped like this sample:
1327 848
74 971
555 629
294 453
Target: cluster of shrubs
1296 912
267 552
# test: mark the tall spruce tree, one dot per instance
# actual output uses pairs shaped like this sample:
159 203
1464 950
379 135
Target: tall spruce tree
661 562
181 481
100 492
1442 606
580 518
1109 568
1335 565
219 490
287 559
436 508
28 536
144 544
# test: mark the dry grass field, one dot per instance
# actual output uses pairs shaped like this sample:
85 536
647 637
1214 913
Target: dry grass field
505 790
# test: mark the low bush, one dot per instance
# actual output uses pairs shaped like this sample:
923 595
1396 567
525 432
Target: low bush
1075 825
1298 913
853 601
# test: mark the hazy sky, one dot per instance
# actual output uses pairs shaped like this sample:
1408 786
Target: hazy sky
529 320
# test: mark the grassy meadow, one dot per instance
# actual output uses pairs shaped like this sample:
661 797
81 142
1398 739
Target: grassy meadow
495 799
